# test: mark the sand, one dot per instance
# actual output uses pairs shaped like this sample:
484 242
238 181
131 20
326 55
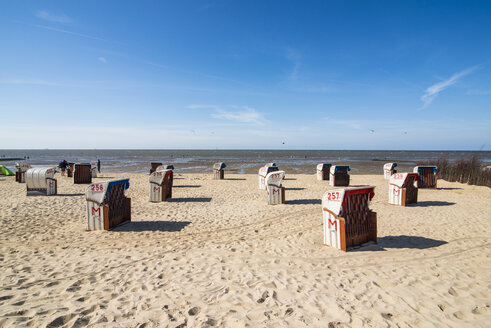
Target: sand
217 255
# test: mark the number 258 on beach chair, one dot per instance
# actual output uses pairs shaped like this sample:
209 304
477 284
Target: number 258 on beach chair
107 205
402 189
348 220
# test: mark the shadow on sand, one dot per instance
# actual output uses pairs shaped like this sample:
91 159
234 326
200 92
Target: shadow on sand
431 203
403 241
290 179
294 188
448 188
304 202
187 186
190 200
137 226
68 195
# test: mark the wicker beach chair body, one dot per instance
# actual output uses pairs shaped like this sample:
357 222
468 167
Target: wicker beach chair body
218 172
403 189
323 171
263 171
339 176
40 181
389 169
276 192
427 176
348 221
107 205
160 185
20 174
153 166
82 173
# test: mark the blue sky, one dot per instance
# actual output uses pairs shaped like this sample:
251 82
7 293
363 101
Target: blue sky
246 74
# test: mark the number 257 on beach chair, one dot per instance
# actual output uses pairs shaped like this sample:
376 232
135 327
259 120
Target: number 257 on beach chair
348 220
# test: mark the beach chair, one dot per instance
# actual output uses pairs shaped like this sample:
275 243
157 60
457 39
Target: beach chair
339 176
82 173
20 174
347 218
263 171
276 192
93 171
154 166
40 181
323 171
403 189
218 171
107 205
427 176
160 185
389 169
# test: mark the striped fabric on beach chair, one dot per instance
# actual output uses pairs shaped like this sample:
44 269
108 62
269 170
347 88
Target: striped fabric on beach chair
276 192
348 220
323 171
160 185
403 189
107 205
41 181
218 173
339 176
389 169
427 176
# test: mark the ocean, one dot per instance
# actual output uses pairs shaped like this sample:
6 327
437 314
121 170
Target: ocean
238 161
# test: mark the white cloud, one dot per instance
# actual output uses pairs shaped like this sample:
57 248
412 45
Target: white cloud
244 114
68 32
102 59
48 16
432 92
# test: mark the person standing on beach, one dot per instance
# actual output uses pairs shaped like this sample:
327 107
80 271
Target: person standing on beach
99 165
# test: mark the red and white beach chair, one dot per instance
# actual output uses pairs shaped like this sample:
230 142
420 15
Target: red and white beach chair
276 192
403 189
348 220
218 172
160 185
389 169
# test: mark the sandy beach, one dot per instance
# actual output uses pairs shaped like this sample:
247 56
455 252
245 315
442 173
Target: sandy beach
218 255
